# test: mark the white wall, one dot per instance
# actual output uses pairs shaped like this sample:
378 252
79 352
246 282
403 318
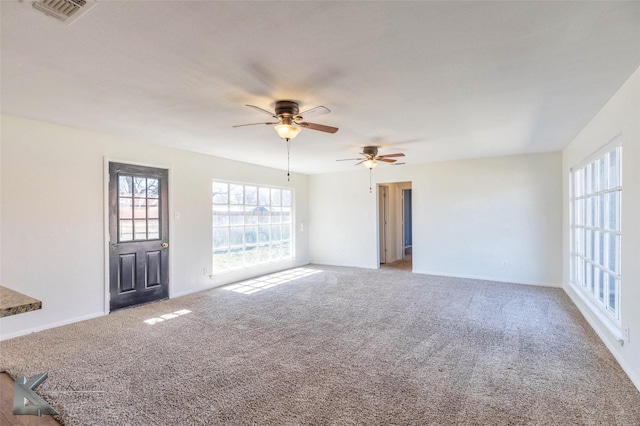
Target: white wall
619 118
53 217
469 217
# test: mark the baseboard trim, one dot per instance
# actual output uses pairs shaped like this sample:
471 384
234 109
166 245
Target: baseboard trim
51 325
344 265
484 278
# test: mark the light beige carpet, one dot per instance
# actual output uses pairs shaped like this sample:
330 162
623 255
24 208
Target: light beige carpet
340 346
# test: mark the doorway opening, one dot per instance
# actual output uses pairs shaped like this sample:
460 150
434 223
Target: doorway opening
395 225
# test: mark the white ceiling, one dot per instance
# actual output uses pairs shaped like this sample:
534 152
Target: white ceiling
435 80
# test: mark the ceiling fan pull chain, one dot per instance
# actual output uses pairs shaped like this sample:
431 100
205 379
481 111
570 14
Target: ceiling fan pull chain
288 149
370 180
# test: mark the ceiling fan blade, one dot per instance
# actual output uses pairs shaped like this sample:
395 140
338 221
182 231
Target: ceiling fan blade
391 155
254 124
321 127
263 110
398 164
386 160
351 159
357 164
314 112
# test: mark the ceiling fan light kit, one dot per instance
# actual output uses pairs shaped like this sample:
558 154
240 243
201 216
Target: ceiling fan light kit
370 164
287 131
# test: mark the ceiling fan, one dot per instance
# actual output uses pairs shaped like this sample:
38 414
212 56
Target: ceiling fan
370 158
291 121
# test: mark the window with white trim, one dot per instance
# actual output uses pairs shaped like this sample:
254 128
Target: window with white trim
252 225
596 197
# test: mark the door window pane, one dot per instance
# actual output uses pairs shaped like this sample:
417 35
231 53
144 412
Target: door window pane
139 187
153 187
153 228
125 186
139 229
126 209
125 230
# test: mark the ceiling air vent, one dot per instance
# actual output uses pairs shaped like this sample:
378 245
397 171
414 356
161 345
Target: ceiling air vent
65 10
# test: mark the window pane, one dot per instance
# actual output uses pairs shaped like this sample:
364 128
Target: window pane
601 209
263 234
221 259
220 215
612 292
613 169
601 173
250 255
276 214
236 215
276 234
286 215
263 197
614 253
601 248
276 197
251 195
236 236
614 211
251 215
220 238
601 284
251 235
236 194
236 257
264 215
220 193
286 232
264 252
286 197
286 249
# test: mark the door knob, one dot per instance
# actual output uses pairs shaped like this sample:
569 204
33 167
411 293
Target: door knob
165 245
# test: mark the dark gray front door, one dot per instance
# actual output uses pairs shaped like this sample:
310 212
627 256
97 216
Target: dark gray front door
139 235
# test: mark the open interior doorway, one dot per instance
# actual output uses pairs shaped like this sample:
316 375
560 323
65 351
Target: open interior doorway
395 225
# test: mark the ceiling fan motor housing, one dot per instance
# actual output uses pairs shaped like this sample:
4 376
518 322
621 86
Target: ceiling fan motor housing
287 109
370 151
